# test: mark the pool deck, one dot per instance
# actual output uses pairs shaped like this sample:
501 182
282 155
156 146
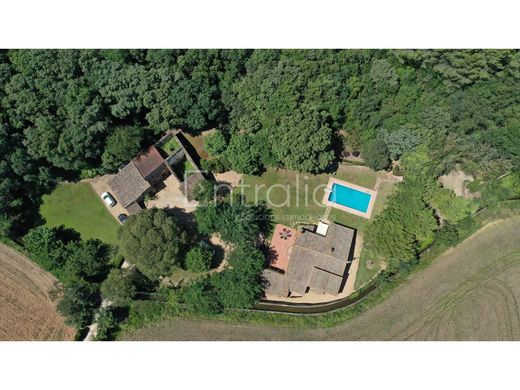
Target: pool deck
328 190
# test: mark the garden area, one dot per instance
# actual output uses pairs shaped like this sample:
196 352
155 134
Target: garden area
296 211
276 184
77 206
170 146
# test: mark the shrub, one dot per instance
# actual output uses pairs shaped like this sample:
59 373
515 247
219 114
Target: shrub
448 235
142 313
396 170
216 165
205 191
107 325
198 259
200 297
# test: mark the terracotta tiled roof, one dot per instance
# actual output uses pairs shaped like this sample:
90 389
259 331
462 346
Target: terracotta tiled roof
320 262
148 161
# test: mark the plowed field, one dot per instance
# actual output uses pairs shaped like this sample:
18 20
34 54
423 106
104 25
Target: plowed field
26 310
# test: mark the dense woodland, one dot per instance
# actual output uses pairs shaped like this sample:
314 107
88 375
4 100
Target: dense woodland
69 114
72 113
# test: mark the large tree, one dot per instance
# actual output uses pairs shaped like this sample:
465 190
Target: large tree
118 287
215 143
88 259
376 155
240 286
121 146
153 241
243 154
79 301
46 247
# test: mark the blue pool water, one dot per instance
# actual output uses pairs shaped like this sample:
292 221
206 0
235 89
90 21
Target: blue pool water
349 197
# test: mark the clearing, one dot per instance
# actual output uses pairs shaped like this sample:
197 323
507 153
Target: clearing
26 311
77 206
470 292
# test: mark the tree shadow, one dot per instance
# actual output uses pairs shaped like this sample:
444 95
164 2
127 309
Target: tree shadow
67 235
186 220
264 218
218 255
189 148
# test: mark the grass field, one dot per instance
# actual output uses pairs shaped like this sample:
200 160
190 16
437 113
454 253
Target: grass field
468 293
296 197
26 311
365 274
77 206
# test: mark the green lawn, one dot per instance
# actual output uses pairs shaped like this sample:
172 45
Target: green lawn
170 146
305 194
77 206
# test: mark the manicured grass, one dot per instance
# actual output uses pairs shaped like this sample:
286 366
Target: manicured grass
360 175
77 206
297 198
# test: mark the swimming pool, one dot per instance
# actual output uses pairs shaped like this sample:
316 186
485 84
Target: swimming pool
350 197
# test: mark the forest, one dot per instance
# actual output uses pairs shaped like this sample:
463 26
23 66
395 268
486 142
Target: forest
67 114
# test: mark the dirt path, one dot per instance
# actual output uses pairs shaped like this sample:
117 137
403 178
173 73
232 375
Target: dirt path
469 293
26 311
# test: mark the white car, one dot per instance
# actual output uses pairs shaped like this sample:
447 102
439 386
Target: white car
108 199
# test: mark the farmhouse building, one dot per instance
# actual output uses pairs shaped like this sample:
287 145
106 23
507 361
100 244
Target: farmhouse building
145 172
137 178
318 261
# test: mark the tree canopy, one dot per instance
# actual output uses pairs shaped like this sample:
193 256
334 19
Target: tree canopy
121 146
118 287
79 301
153 241
66 112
